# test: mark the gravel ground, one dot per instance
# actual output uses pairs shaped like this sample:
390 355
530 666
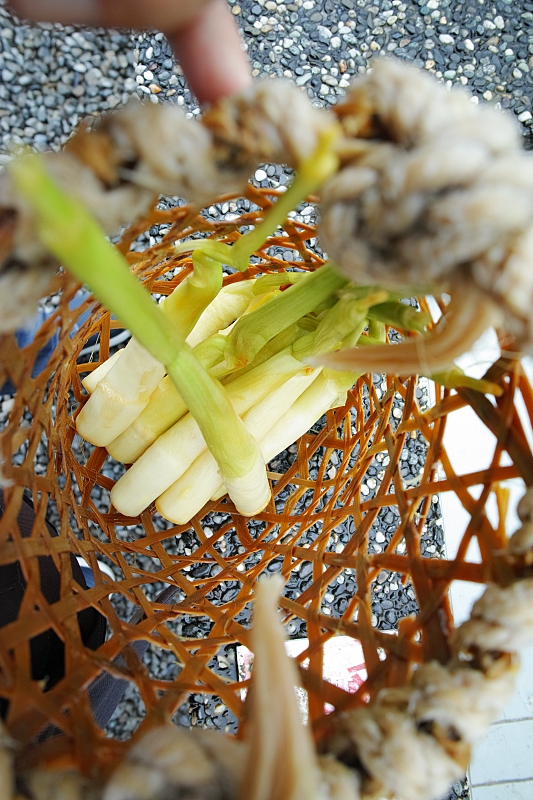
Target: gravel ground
53 78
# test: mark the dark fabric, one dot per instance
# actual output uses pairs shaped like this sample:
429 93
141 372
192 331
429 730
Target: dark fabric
105 692
47 649
26 335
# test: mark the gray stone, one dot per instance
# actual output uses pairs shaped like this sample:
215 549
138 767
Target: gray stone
93 76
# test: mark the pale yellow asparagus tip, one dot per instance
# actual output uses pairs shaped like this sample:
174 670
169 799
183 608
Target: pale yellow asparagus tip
229 304
120 396
91 381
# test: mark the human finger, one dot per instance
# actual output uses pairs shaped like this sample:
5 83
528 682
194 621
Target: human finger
210 53
165 15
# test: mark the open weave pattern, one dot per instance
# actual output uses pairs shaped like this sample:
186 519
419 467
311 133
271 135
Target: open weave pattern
44 411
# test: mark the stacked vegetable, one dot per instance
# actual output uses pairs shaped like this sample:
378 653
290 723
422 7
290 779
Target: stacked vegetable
253 337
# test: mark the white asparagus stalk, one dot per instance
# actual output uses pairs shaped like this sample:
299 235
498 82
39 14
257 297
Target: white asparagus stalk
120 396
166 406
125 390
327 391
172 454
263 416
250 492
93 378
184 499
230 303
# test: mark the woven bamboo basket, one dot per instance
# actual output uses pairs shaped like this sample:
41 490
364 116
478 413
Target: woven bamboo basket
306 502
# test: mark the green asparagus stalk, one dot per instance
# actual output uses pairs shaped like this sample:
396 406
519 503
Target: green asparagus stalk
173 452
311 173
454 378
345 319
74 237
125 390
400 315
253 331
181 501
377 331
286 338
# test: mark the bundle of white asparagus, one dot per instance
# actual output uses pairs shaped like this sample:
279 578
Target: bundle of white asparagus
252 337
255 339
